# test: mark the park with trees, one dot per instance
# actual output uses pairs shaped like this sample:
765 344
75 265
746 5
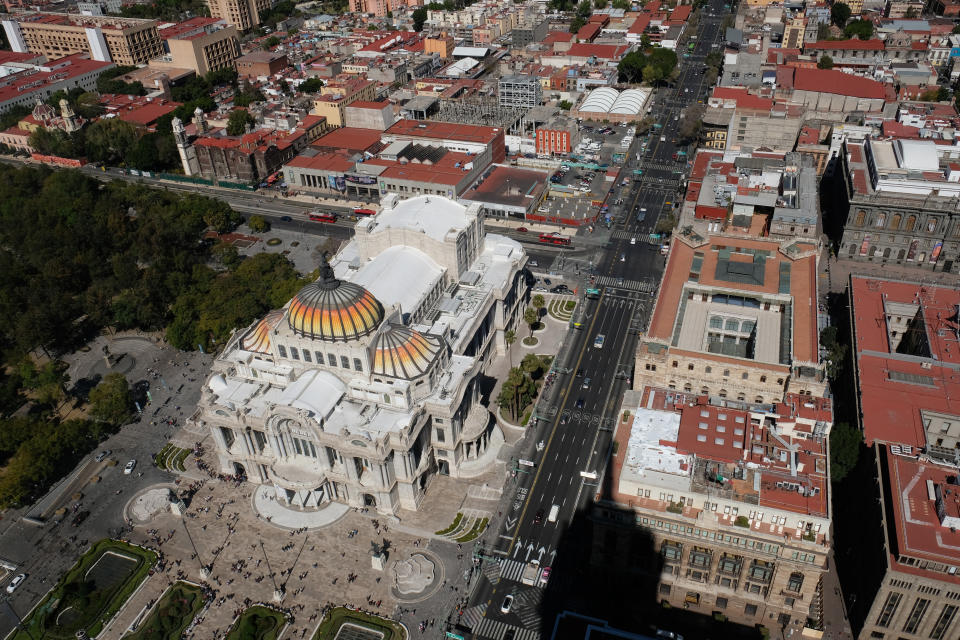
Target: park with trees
82 257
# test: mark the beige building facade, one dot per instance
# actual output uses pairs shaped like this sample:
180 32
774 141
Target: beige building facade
242 14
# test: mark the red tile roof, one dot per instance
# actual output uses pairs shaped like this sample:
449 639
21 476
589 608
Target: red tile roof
893 388
558 36
27 82
640 24
323 162
710 213
915 522
853 44
600 51
743 98
349 139
838 83
681 13
588 31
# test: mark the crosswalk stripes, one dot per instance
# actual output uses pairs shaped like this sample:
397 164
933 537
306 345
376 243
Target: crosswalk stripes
527 607
511 570
496 630
635 285
473 615
491 570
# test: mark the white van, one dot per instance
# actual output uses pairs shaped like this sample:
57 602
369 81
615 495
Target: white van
554 512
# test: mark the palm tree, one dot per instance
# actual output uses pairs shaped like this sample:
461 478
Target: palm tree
510 337
530 316
538 303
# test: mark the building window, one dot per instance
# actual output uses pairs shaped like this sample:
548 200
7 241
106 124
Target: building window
789 602
675 364
721 603
665 589
916 615
943 622
345 362
744 375
306 356
331 360
750 610
726 373
911 223
861 218
319 356
282 350
690 367
795 583
357 365
783 619
440 435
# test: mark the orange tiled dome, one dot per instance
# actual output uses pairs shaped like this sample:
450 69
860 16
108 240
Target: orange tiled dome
330 309
259 337
401 352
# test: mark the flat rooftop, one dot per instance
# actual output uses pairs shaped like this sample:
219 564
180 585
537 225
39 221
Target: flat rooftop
916 528
742 276
444 130
907 356
508 186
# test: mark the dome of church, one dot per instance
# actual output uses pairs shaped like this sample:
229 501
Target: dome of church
331 309
401 352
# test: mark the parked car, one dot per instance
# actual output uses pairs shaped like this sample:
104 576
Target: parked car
129 467
507 603
522 229
103 455
16 582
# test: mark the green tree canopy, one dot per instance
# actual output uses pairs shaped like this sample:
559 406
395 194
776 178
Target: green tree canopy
419 17
862 29
311 85
845 445
111 401
110 141
840 13
825 62
238 121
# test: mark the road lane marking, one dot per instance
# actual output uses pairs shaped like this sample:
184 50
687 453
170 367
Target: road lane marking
556 422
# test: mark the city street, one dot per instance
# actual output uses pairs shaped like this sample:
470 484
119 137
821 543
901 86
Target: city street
569 447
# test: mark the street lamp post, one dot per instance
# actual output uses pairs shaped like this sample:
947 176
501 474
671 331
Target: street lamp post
204 570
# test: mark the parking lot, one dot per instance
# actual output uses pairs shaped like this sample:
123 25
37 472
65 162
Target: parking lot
580 180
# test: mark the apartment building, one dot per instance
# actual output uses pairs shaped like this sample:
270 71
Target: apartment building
201 44
242 14
898 199
124 41
905 337
733 498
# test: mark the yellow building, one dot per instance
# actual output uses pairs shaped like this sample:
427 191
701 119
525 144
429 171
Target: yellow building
125 41
793 33
338 94
442 45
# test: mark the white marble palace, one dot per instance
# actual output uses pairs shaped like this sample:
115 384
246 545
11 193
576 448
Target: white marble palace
367 382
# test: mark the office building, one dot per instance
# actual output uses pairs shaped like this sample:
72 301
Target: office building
242 14
519 91
124 41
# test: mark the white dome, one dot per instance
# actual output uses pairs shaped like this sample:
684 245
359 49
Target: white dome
600 100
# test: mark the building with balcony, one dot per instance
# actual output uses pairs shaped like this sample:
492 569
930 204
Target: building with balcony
735 500
366 384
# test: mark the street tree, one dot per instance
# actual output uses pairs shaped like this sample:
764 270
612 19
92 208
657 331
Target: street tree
258 224
111 401
825 62
419 17
538 303
532 319
509 337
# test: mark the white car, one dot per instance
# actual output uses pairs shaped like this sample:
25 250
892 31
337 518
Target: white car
16 582
507 603
129 467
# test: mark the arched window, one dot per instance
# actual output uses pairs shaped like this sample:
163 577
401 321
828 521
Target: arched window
861 218
886 253
895 221
732 325
723 393
911 223
853 248
932 225
901 254
704 391
687 388
716 322
881 220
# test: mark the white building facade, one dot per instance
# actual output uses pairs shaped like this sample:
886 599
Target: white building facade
367 382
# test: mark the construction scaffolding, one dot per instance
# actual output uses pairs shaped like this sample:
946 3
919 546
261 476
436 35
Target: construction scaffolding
482 111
